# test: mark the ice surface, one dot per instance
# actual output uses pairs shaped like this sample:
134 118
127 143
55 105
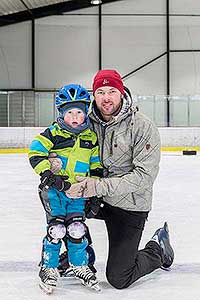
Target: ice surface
22 226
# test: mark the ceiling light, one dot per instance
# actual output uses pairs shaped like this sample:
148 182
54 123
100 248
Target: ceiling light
96 2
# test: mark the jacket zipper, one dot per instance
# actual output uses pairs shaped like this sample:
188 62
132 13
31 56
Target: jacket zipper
103 139
111 143
134 202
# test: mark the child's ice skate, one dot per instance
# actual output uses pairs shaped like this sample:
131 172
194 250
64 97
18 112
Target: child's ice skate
48 279
87 277
64 268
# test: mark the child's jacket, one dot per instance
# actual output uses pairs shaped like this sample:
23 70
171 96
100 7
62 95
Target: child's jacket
79 153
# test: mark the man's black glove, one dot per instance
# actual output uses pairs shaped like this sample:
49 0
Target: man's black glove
92 207
48 179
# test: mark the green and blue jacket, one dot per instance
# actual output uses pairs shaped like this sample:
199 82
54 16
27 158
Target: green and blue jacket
79 153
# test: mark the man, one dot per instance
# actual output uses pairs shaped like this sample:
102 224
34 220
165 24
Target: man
130 154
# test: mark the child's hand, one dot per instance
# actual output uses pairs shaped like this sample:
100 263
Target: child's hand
56 163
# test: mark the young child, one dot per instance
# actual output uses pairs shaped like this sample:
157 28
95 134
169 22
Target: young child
76 145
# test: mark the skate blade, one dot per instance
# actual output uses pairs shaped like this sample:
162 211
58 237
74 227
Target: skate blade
95 287
167 269
48 289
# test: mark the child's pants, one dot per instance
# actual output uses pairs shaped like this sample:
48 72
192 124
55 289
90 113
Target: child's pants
58 206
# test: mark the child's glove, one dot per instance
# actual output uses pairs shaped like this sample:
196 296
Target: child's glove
92 207
48 179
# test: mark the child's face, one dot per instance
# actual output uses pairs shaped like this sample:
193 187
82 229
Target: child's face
74 117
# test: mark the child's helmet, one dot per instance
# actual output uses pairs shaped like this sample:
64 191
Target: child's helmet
71 93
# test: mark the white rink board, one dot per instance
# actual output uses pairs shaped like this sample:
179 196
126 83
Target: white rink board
21 137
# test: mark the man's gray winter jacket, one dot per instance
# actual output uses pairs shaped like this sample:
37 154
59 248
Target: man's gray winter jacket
130 154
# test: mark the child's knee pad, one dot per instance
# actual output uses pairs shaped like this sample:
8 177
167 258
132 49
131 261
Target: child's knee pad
56 230
76 229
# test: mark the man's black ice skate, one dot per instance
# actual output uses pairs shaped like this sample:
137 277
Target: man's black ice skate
161 236
87 277
48 279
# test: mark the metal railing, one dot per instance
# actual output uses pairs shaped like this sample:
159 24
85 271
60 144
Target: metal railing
30 108
183 110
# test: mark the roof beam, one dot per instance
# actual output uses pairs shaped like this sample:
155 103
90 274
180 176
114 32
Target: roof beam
45 11
28 9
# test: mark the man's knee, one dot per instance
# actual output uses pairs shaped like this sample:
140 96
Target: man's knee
117 281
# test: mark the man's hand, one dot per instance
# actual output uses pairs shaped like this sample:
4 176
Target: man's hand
48 179
56 163
86 188
92 207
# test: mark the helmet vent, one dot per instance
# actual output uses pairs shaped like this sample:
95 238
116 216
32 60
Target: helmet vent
82 93
72 92
62 96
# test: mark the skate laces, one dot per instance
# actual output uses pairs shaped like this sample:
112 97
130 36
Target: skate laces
84 273
49 274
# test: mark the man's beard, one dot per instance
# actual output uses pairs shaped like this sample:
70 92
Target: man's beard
112 112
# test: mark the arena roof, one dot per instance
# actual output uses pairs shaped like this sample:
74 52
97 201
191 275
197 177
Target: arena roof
15 11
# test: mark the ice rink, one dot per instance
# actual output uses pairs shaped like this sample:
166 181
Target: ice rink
22 226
